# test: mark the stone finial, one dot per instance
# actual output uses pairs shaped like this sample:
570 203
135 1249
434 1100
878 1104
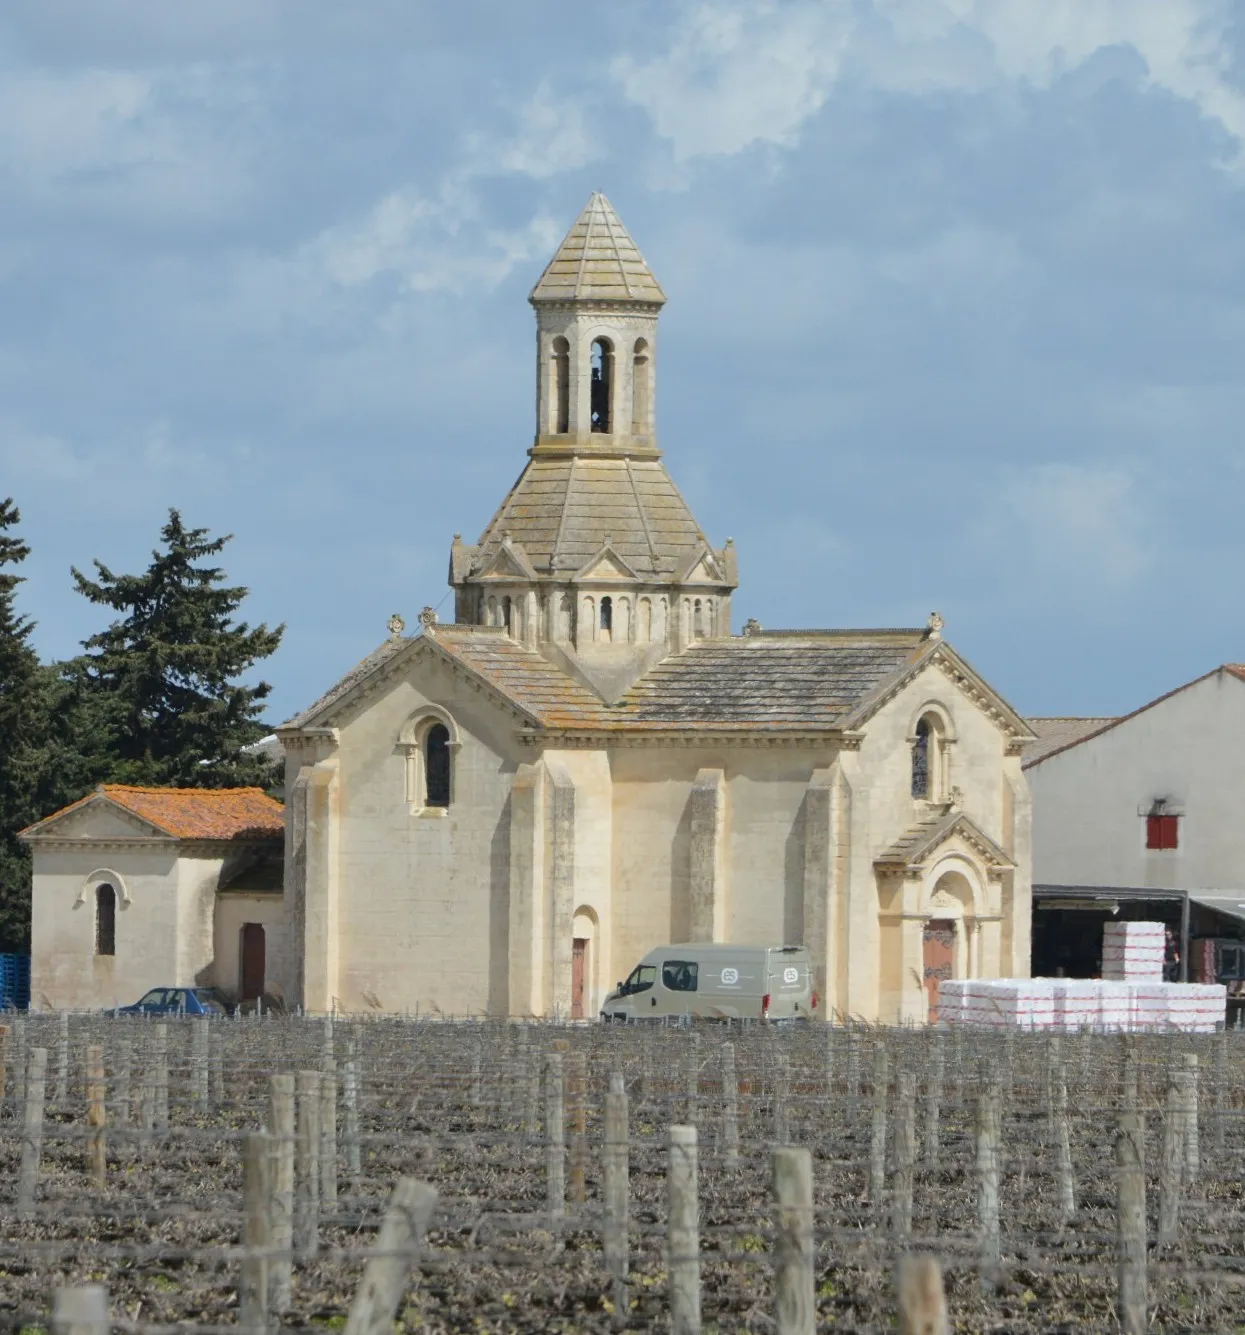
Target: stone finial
396 627
752 626
428 619
934 625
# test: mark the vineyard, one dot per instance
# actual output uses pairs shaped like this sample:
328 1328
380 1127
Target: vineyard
508 1177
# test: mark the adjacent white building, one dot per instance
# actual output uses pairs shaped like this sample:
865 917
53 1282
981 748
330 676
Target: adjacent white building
1140 816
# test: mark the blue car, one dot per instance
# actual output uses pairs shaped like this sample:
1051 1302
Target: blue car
178 1001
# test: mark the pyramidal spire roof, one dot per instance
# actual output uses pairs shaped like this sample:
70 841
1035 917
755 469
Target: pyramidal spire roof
598 261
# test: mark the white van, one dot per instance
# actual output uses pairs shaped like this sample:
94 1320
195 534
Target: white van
713 982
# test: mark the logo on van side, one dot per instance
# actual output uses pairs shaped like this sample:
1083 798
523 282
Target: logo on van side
791 975
730 977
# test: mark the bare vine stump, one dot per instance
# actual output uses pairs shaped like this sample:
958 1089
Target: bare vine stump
258 1174
1189 1100
730 1107
281 1125
1171 1164
683 1232
160 1073
328 1134
782 1099
922 1303
793 1241
307 1164
1130 1158
905 1155
82 1310
933 1100
62 1059
555 1138
617 1193
32 1130
989 1136
96 1118
877 1146
397 1249
577 1090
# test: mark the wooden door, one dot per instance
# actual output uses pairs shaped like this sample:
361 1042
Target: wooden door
579 956
253 953
939 959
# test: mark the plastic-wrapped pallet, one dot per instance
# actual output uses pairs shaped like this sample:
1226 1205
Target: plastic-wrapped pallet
951 1000
1077 1004
1196 1008
1133 950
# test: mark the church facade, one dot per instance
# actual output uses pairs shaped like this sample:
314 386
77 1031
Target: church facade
501 815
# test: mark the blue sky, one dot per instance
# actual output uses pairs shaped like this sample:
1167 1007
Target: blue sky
956 304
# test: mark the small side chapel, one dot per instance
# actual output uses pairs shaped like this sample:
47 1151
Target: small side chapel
503 814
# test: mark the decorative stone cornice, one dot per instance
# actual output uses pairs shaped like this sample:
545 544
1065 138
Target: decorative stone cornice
681 739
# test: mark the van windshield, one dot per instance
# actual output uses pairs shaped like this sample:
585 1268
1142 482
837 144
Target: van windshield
641 979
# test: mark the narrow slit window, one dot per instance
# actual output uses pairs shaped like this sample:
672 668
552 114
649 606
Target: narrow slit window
607 613
437 766
561 386
602 384
920 760
640 389
105 920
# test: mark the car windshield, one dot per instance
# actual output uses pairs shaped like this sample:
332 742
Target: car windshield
154 998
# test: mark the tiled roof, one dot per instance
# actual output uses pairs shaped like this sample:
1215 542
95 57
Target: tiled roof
741 684
598 261
562 510
1055 733
911 848
377 658
193 813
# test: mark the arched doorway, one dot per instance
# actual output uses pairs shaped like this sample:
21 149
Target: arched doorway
584 995
947 934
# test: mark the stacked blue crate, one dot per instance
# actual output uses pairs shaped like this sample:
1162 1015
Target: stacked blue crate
14 982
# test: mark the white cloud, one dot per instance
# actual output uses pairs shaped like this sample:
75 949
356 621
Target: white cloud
754 71
174 142
741 73
551 135
1081 520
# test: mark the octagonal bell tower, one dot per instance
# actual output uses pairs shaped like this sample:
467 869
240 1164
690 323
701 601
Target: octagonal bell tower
594 559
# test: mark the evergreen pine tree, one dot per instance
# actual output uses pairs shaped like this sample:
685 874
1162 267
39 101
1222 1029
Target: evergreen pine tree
160 686
23 724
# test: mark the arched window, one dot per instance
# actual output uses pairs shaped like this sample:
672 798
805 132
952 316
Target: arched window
640 392
105 920
644 632
430 742
701 619
566 617
922 760
602 392
437 766
507 614
561 397
607 616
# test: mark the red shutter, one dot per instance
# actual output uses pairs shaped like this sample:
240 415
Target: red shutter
1162 832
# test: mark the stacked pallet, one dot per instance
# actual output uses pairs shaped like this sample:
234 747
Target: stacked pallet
1133 951
1073 1004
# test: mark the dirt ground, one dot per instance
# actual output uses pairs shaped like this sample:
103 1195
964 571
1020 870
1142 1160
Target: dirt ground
163 1236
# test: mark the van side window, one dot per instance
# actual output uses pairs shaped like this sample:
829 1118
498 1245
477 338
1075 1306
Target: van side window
641 979
680 975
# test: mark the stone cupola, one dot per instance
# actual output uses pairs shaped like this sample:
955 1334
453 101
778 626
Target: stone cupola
594 558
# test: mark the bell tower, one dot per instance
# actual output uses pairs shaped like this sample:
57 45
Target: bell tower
596 307
594 559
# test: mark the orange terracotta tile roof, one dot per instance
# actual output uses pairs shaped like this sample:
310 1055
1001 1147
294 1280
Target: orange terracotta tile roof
194 813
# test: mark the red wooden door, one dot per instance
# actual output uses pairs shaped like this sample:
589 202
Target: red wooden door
253 960
939 953
579 953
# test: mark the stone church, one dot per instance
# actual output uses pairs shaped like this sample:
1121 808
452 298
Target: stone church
503 814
